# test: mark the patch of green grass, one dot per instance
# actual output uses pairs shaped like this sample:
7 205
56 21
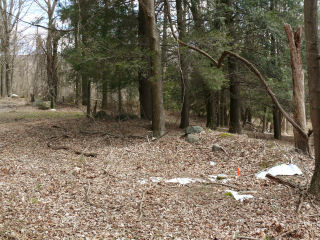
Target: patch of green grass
34 200
223 135
38 187
82 159
228 194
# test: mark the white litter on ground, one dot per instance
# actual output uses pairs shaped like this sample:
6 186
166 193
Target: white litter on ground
53 110
212 163
143 181
14 95
238 196
184 180
156 179
173 180
280 170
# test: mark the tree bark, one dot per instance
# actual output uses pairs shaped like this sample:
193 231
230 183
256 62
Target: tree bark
104 103
265 122
89 98
313 53
158 115
211 111
235 98
7 58
277 123
120 110
3 80
145 92
294 39
183 67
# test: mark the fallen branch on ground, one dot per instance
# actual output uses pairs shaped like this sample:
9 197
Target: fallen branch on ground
75 151
141 206
301 198
283 182
285 234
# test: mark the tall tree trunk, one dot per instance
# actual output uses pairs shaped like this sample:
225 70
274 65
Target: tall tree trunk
104 104
3 80
54 67
145 92
235 98
211 111
84 88
158 115
299 116
223 108
264 121
184 68
277 123
313 52
78 89
7 64
89 98
120 111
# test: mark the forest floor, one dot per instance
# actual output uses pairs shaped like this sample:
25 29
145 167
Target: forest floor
63 176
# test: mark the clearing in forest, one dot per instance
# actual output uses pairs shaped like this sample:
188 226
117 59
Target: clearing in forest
63 176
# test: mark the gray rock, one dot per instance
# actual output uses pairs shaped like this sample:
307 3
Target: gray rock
43 105
216 148
194 129
191 138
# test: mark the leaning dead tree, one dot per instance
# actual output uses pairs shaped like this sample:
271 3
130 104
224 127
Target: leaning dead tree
294 39
249 65
51 49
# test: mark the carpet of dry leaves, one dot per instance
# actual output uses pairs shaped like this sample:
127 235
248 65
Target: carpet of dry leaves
57 192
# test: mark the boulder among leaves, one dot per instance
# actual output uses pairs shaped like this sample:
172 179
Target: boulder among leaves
192 138
43 105
194 129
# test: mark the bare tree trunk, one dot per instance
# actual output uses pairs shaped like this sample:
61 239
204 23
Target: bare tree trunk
211 111
7 58
223 108
184 122
158 115
294 39
120 110
88 88
277 123
235 98
3 80
104 104
265 121
313 52
145 92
